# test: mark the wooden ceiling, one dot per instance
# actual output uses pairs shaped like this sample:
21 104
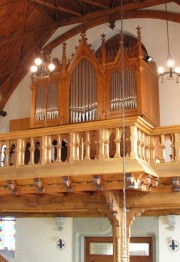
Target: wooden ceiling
25 23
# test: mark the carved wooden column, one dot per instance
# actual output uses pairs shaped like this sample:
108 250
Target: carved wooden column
117 250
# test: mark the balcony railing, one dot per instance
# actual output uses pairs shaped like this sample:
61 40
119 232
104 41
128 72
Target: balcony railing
89 141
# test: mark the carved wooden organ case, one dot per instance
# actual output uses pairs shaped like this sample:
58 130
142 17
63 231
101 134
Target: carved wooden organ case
89 88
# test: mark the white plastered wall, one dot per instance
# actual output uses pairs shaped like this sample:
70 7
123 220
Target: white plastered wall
36 240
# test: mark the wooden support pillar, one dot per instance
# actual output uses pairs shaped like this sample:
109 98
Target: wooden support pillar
116 218
117 243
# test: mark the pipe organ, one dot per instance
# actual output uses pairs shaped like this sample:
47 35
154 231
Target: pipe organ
89 86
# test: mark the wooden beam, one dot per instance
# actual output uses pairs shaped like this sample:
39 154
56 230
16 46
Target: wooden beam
59 8
95 3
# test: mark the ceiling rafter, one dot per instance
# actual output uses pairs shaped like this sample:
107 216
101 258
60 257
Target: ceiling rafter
41 10
95 3
59 8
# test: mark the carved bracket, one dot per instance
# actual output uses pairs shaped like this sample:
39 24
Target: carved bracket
114 207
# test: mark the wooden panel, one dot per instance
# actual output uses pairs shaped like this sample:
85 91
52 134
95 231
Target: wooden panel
19 124
150 94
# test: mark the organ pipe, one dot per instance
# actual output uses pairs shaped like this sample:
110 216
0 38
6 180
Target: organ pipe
83 89
130 96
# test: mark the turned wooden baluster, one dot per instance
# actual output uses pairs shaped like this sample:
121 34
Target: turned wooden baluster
44 150
6 154
77 147
87 146
58 147
32 148
19 151
118 142
139 143
152 155
72 147
162 149
103 144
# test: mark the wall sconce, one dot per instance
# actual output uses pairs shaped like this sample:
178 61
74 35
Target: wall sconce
60 222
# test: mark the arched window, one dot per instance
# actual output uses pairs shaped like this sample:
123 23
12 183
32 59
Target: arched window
83 93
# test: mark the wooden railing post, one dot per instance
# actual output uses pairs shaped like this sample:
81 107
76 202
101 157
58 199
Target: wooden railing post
177 147
134 142
118 141
72 147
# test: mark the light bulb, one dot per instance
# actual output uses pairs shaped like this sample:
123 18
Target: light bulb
51 67
170 63
177 70
33 68
160 70
38 61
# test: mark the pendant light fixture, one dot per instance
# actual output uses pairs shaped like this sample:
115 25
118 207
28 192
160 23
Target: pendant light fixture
171 73
42 66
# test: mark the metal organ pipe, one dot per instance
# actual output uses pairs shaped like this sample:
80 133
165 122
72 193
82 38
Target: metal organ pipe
83 98
40 108
130 96
52 104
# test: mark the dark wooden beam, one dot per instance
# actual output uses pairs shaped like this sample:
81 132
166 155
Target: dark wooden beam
95 3
59 8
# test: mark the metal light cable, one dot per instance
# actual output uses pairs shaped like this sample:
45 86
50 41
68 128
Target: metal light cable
124 233
167 31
